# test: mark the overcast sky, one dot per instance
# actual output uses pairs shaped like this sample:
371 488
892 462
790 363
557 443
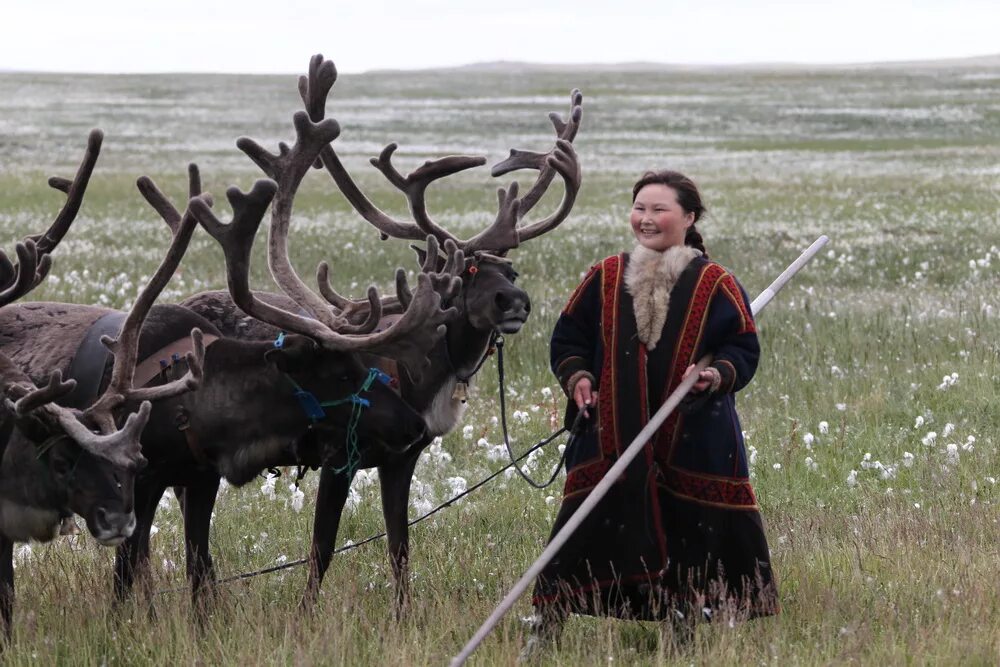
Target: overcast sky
279 36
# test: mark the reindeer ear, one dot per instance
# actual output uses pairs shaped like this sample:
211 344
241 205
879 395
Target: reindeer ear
296 353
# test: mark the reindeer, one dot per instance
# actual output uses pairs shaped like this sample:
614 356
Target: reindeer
57 461
312 386
488 303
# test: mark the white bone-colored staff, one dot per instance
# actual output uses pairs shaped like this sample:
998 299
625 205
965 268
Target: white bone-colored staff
624 460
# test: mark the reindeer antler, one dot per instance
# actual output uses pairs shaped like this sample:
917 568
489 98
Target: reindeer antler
504 233
33 261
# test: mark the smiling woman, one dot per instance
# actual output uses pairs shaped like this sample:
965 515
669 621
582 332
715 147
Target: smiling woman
680 538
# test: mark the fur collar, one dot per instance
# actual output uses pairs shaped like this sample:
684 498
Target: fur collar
649 277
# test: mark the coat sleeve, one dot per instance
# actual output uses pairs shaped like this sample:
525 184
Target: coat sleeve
735 347
575 338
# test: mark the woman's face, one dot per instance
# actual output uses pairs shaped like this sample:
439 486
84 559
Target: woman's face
657 220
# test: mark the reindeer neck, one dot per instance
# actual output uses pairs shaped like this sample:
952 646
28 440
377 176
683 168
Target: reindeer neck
225 413
465 349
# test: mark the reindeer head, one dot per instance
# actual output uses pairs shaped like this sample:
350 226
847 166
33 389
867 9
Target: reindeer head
86 453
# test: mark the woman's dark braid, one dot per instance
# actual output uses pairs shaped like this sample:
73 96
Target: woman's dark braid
693 238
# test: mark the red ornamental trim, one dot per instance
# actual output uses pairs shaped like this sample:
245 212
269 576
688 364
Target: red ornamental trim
731 493
580 289
687 346
732 290
584 478
611 276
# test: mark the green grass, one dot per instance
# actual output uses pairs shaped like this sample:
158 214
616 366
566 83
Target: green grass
896 566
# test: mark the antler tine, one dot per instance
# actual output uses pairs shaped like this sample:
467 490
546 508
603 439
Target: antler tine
236 239
564 161
415 184
24 273
125 347
500 236
120 447
351 310
288 168
565 130
51 392
155 197
74 190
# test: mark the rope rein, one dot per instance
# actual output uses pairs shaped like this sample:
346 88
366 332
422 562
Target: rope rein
413 522
499 341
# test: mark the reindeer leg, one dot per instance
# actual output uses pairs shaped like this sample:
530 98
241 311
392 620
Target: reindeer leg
199 500
132 555
394 480
7 587
330 500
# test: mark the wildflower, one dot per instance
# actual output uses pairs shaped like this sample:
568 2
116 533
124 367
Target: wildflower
550 500
808 438
907 459
776 466
824 428
457 485
951 454
267 488
753 455
546 392
467 431
298 497
948 381
948 429
841 406
852 478
919 421
810 464
929 439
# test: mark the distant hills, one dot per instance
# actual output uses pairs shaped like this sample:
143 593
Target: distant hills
514 66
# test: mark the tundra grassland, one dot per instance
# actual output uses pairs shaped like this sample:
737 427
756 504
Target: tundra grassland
872 424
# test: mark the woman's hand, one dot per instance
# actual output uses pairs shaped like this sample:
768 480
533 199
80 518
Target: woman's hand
707 378
584 395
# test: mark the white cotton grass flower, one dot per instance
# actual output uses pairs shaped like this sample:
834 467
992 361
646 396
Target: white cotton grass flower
918 422
929 439
841 406
852 478
810 464
467 431
546 393
948 381
809 439
908 460
298 497
456 485
824 428
776 466
951 454
521 417
753 455
948 429
267 488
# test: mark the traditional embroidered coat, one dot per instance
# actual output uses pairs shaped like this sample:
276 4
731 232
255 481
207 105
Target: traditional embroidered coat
681 527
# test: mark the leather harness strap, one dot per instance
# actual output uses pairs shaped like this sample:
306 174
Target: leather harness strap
165 357
90 360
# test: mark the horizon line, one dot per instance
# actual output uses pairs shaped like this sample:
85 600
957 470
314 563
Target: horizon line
989 59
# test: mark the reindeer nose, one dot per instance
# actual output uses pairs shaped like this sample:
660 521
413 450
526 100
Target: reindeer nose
512 302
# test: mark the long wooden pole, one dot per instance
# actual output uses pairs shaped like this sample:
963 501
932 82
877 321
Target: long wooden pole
599 491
